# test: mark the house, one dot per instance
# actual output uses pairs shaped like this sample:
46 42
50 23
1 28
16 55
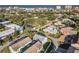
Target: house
35 48
4 21
6 33
68 34
51 29
14 47
67 31
15 27
41 37
63 39
58 41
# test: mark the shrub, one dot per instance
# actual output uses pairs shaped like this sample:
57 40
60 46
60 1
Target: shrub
57 35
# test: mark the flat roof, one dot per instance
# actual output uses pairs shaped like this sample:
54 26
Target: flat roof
4 22
12 25
6 33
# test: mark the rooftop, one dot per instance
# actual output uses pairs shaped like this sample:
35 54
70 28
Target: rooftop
13 26
34 48
6 32
68 31
4 22
51 29
40 37
21 43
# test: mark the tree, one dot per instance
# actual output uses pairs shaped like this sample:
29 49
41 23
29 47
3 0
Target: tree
57 35
17 32
70 23
10 38
48 47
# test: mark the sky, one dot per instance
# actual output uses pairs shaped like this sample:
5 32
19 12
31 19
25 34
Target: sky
39 2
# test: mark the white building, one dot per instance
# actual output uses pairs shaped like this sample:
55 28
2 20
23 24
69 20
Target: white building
51 30
6 33
15 27
68 7
58 7
40 37
5 22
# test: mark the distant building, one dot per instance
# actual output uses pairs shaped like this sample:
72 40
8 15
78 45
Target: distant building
69 7
76 8
58 7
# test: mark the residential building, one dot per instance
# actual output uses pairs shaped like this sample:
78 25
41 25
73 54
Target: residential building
18 44
15 27
67 31
6 33
51 29
41 37
35 48
4 22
